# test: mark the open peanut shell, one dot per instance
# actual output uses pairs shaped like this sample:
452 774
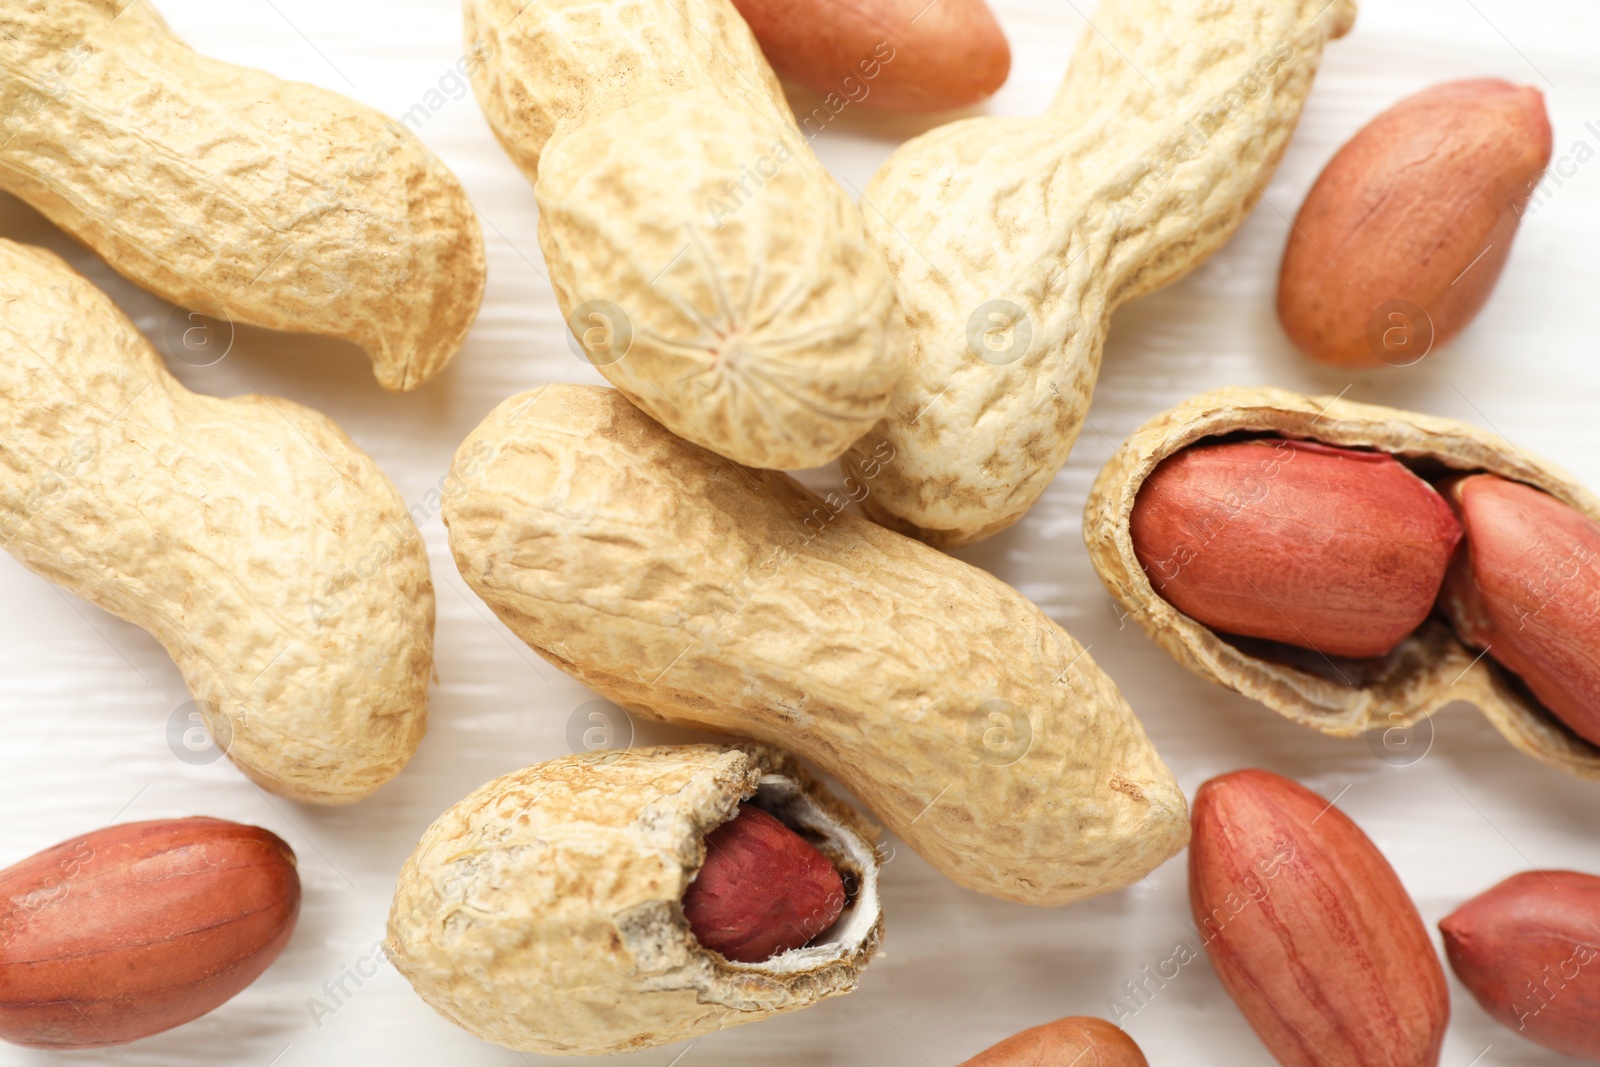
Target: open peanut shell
544 911
1338 696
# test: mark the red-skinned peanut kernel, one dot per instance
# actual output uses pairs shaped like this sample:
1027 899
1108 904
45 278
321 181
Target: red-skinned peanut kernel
1526 586
1078 1041
1333 549
137 928
1526 950
1310 930
1402 239
763 889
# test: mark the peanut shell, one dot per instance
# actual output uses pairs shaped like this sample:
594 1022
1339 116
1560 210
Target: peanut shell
1012 240
685 587
267 553
233 192
544 911
709 265
1427 670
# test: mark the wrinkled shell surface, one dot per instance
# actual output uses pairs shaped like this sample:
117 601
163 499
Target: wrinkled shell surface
235 193
1012 240
264 550
683 586
727 278
1340 697
543 911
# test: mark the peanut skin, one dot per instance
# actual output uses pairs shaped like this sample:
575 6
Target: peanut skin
1402 239
1310 930
134 929
1332 549
1526 951
1526 586
899 55
763 889
1077 1041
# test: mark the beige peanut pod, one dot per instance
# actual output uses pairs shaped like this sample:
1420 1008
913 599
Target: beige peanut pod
233 192
684 586
704 258
1338 696
1012 240
543 911
264 550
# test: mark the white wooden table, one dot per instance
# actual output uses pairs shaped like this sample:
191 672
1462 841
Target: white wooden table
89 702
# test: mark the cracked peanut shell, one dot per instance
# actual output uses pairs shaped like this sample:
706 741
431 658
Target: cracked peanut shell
1342 697
233 192
544 911
688 588
267 553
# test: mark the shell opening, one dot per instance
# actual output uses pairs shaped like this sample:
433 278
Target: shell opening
853 857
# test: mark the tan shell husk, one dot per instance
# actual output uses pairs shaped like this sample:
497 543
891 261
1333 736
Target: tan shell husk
1169 124
544 911
233 192
689 227
267 553
1429 669
685 587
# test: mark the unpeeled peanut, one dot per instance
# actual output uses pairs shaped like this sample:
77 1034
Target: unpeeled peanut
1013 240
233 192
902 55
1402 239
266 552
1310 930
1077 1041
702 255
1526 587
546 911
763 889
687 588
134 929
1332 549
1527 951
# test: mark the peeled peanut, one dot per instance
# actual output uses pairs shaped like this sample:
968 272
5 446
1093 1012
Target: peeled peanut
552 909
1526 586
763 889
1310 930
1527 950
235 193
1402 239
1078 1041
134 929
901 55
266 552
688 588
1331 549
